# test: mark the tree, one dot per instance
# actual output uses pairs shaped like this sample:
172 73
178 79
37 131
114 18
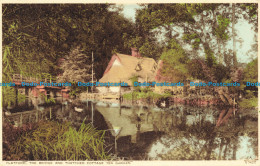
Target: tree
250 73
76 67
175 62
234 36
152 17
35 36
42 33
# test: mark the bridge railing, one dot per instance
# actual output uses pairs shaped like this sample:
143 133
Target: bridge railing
22 78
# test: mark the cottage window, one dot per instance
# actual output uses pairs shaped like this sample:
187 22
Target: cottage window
116 63
154 67
138 67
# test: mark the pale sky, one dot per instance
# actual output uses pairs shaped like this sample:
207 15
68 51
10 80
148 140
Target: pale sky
243 30
129 10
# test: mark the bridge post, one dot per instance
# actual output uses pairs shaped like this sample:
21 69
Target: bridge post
16 96
27 96
30 117
50 112
52 94
21 120
37 115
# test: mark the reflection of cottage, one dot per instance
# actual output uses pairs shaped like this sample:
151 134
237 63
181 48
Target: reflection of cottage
122 68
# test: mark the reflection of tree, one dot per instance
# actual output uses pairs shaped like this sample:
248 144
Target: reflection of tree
203 139
224 116
185 152
253 139
228 127
227 144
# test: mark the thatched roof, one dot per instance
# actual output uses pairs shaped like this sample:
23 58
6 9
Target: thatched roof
123 67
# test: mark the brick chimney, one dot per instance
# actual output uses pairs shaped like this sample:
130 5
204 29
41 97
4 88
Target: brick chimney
135 52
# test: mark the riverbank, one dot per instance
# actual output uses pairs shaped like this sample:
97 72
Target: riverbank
152 98
155 99
249 103
50 140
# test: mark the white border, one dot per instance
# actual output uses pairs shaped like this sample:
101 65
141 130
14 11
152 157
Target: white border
143 163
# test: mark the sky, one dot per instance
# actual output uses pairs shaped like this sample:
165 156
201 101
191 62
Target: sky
243 28
129 10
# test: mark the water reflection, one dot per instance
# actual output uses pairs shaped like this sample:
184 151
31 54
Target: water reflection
176 133
183 132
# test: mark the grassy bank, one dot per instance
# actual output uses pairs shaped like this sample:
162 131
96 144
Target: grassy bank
57 141
248 103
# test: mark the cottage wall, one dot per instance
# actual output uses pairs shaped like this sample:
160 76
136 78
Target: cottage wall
112 89
115 89
103 89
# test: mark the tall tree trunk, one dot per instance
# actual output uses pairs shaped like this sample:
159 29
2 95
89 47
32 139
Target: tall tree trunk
168 32
226 148
234 37
234 150
218 42
203 29
210 148
224 51
220 149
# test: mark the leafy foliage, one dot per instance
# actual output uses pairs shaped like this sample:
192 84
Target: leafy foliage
251 71
10 96
56 141
134 79
175 62
193 38
76 67
251 10
249 103
10 139
36 36
221 29
197 70
250 74
50 100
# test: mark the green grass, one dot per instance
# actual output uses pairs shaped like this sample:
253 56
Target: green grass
60 141
50 100
248 103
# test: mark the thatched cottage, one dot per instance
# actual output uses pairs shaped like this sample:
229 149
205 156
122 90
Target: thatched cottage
122 68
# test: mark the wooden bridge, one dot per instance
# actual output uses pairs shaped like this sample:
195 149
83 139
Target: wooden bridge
37 90
18 78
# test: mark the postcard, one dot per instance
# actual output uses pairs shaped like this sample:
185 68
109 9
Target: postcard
129 83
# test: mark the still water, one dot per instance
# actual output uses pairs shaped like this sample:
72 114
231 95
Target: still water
176 133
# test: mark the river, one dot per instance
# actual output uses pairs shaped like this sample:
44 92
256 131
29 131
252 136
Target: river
179 132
